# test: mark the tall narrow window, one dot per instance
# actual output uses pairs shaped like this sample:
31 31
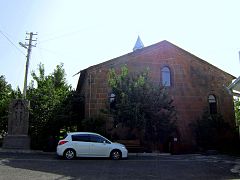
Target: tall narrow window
112 100
212 104
166 76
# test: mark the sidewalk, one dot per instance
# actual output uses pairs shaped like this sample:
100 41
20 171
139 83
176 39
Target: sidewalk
29 151
24 151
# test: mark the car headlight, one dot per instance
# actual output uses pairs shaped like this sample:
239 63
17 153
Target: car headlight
124 147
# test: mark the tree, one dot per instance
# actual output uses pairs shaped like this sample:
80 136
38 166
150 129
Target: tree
50 92
140 103
68 114
6 95
213 132
237 110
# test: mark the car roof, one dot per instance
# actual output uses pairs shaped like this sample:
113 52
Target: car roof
73 133
86 133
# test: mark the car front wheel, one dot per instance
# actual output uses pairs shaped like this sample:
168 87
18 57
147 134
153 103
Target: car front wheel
69 154
116 155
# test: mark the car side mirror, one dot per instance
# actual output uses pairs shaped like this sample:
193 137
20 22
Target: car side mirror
104 142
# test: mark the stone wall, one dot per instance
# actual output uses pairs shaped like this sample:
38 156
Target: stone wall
193 80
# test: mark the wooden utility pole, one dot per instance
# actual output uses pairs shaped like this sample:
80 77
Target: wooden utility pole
29 48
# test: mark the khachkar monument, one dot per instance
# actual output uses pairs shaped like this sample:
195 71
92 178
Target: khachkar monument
18 116
18 123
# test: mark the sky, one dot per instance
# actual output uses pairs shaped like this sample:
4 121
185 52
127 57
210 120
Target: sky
82 33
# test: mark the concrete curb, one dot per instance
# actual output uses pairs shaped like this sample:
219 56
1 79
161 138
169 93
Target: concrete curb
29 151
24 151
149 154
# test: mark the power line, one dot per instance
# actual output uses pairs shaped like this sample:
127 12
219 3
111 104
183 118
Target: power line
71 33
60 56
60 36
12 43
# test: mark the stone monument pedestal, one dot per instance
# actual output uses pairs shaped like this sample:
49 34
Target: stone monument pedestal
16 142
18 123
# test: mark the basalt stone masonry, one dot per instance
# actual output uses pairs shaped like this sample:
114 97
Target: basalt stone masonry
193 84
17 137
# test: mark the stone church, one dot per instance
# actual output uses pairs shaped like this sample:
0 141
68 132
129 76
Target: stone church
194 84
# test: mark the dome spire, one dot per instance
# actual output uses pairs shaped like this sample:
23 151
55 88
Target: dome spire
138 44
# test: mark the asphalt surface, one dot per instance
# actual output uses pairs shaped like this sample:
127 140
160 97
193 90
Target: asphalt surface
38 165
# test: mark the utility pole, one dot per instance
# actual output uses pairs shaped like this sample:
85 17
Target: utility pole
29 48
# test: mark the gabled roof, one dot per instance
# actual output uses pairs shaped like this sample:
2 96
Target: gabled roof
201 60
145 50
81 79
155 47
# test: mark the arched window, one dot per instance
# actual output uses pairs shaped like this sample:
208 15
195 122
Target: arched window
112 100
212 104
166 76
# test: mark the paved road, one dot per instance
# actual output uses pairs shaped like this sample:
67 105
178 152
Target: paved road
48 166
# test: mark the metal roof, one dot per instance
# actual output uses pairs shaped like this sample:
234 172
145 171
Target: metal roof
138 44
235 86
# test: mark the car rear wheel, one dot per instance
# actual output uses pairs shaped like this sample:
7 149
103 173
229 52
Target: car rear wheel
69 154
116 155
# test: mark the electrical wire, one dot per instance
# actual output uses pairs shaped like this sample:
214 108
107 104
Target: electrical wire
12 43
61 36
71 33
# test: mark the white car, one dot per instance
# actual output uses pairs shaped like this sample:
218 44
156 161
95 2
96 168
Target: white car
87 144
